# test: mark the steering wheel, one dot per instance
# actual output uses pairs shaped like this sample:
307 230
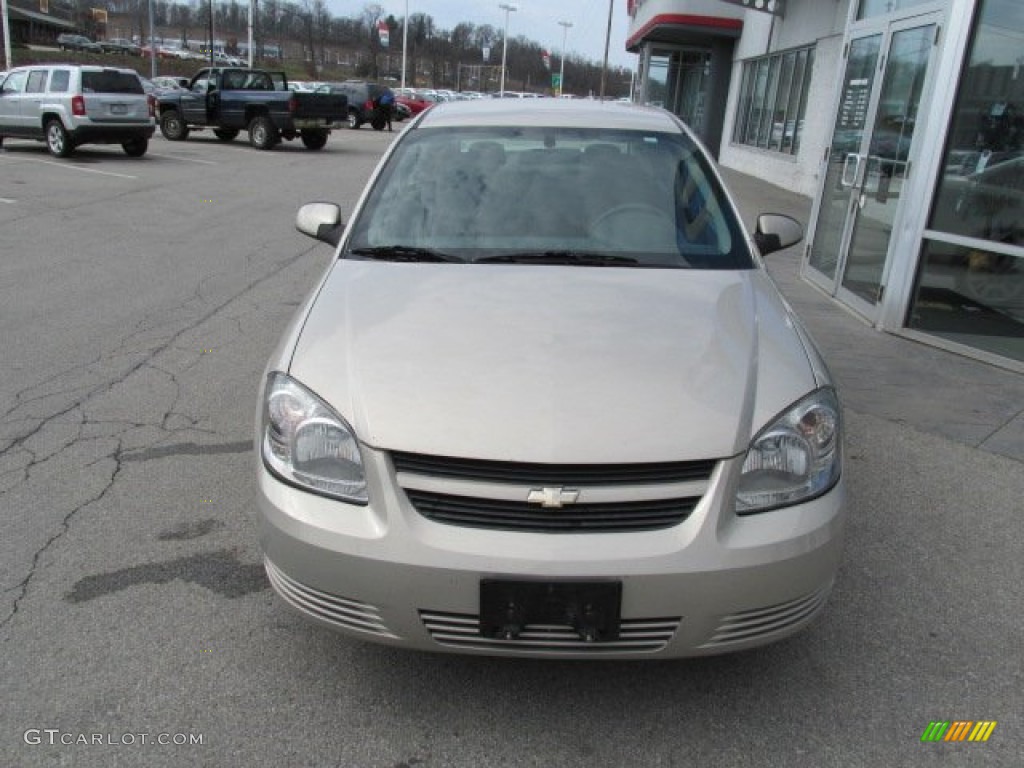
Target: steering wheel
627 223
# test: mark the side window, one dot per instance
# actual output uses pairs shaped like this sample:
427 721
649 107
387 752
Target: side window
36 81
15 83
59 81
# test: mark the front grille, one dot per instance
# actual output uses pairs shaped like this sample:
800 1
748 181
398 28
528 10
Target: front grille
457 630
575 518
750 625
340 611
518 473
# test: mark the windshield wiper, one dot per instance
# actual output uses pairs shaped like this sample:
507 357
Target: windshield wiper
573 258
405 253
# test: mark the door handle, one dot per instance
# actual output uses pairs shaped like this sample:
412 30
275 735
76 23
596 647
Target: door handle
846 180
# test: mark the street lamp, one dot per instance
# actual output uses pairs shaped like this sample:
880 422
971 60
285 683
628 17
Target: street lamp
152 43
504 43
561 67
6 19
405 41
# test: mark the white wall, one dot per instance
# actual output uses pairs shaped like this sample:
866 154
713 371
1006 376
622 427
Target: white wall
818 22
800 172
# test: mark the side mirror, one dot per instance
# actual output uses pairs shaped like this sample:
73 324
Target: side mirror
775 232
321 221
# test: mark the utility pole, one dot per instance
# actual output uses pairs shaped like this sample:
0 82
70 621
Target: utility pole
7 34
405 40
152 42
561 67
504 44
212 62
607 44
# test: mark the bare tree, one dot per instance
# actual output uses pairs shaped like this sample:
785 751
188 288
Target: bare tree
372 13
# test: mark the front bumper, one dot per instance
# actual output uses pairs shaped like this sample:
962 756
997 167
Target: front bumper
711 584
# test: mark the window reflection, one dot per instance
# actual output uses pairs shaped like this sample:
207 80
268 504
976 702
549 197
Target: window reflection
870 8
971 296
773 99
972 291
981 191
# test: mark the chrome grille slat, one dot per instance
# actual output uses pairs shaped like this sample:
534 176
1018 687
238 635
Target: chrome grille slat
522 516
350 614
463 631
747 625
521 473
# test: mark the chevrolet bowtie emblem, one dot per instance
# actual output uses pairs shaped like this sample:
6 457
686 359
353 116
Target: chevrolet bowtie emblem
552 497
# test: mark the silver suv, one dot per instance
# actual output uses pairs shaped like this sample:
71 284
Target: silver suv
66 105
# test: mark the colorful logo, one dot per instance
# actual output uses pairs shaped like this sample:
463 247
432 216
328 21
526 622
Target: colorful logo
958 730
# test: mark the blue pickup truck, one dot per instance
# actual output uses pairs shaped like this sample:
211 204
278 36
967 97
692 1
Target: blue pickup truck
234 99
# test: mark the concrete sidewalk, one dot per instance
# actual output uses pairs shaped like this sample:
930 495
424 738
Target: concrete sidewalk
888 376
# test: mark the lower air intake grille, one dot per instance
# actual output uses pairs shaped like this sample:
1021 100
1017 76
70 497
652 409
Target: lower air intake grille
340 611
574 518
750 625
457 630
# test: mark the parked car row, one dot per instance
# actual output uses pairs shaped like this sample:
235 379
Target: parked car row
82 44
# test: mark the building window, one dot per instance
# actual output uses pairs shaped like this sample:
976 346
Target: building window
970 281
773 97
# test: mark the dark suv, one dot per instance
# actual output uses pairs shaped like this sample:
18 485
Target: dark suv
362 97
68 42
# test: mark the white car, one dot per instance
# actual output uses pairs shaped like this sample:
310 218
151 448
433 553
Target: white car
546 401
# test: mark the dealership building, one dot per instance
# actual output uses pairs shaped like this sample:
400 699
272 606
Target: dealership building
903 121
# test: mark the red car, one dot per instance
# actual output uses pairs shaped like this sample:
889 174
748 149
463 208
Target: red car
414 103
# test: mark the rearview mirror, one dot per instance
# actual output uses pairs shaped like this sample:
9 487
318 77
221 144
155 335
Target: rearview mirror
321 221
776 231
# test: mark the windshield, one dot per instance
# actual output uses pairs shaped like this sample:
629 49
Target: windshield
584 197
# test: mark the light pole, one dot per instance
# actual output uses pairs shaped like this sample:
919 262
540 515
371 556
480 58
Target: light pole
211 34
7 35
405 41
561 67
152 43
607 42
504 44
252 22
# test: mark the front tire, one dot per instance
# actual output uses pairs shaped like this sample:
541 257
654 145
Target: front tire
314 139
353 119
262 133
136 147
57 139
225 134
173 125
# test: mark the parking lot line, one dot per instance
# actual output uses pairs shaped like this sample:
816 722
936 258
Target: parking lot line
183 159
7 200
84 170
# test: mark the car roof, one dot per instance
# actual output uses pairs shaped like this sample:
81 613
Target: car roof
72 65
555 113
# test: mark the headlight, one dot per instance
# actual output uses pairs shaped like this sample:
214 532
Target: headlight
307 444
793 459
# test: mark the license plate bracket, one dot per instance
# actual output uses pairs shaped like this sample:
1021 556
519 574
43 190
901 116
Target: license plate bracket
591 608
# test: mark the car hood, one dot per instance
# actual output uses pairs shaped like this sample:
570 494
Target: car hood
551 364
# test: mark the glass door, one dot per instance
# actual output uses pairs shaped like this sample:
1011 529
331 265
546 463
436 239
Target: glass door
869 160
678 81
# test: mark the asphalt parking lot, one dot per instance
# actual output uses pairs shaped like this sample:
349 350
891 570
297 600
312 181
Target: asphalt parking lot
140 299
